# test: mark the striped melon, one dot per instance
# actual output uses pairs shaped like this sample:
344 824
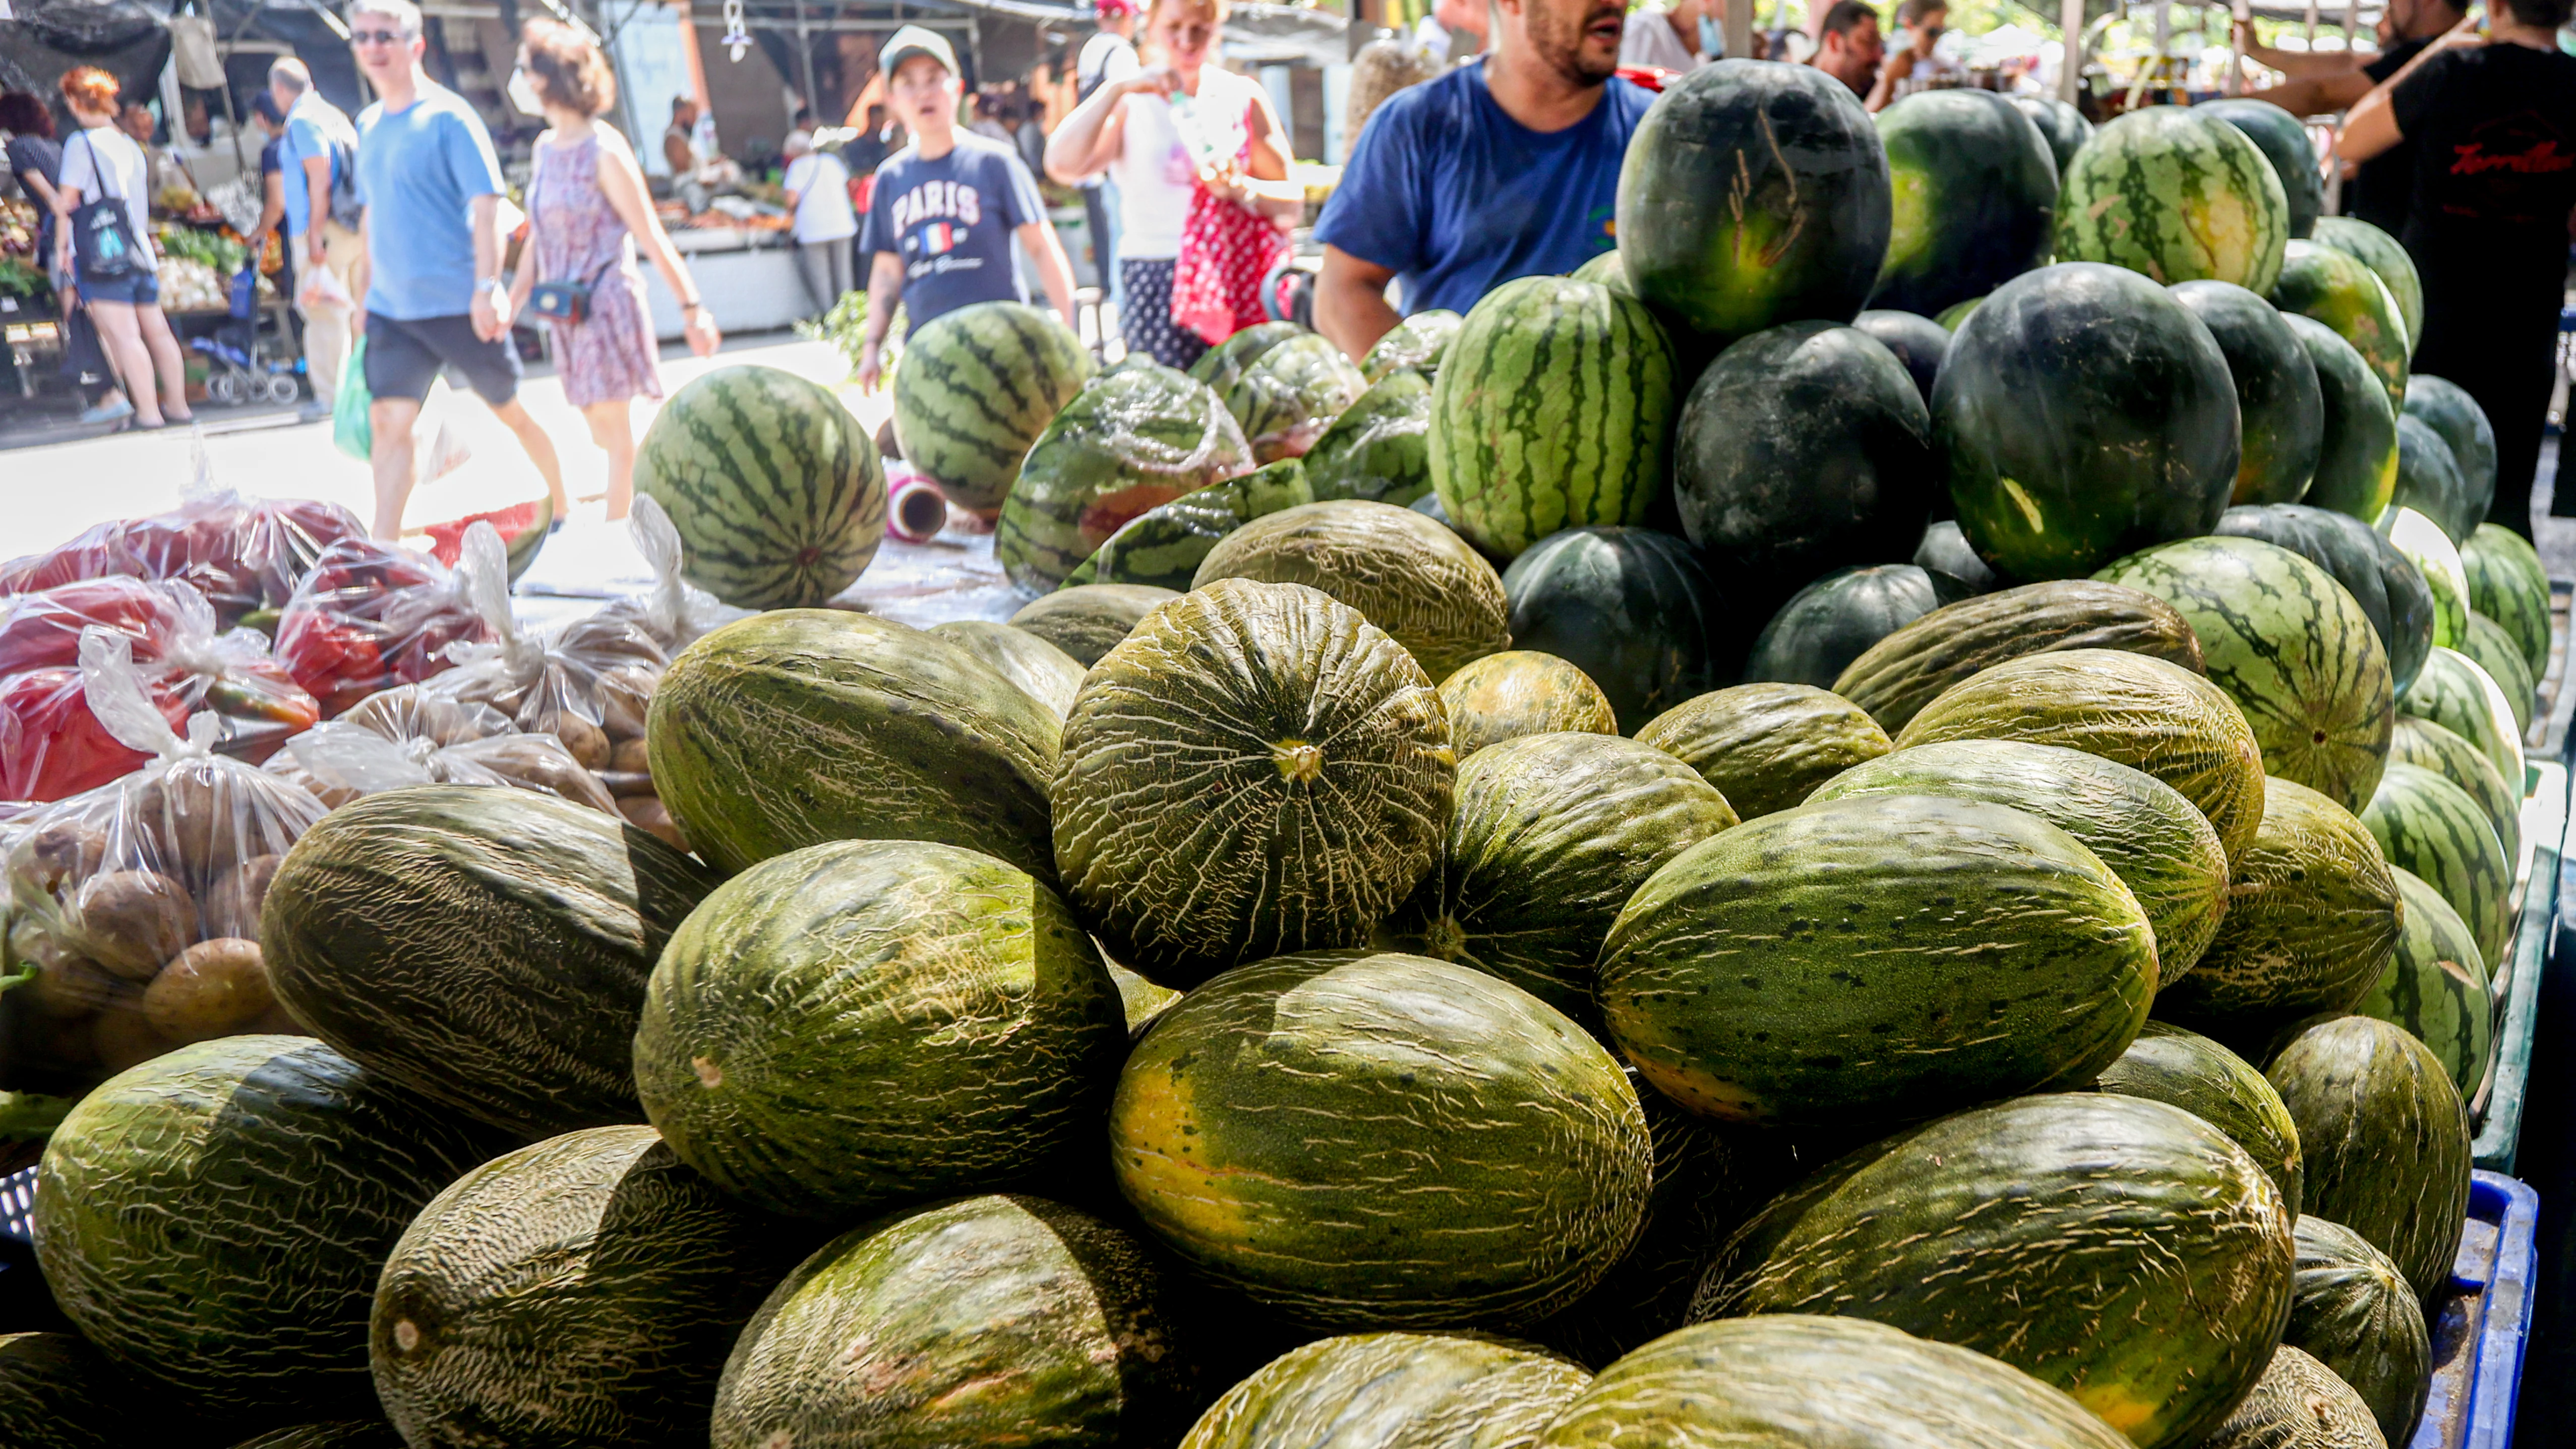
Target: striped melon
1223 365
1137 436
1380 446
2436 985
59 1393
2351 1310
1521 692
1554 409
1290 394
1549 836
2424 544
2387 1140
1163 546
1047 674
1405 573
1381 1141
777 493
2185 1069
2357 466
2456 694
2337 289
1419 342
2507 584
2297 1402
2442 751
2380 578
1393 1391
1256 769
2446 408
1087 620
1974 189
2430 826
799 726
2283 140
2387 256
581 1291
1766 747
2490 648
975 387
331 1434
2290 646
1908 669
2177 195
808 1047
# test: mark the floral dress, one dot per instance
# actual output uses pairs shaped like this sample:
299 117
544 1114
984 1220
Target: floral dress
609 356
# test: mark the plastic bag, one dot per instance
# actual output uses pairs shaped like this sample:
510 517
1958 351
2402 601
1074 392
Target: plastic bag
410 736
674 612
369 617
134 907
587 684
353 431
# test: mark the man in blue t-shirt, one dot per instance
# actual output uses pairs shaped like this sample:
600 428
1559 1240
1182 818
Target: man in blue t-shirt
1504 168
313 146
944 209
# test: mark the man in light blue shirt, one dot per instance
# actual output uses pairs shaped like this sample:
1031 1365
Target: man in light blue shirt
317 145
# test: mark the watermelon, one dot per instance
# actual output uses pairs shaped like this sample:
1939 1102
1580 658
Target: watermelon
1737 981
2425 546
2507 584
270 1175
1944 551
2298 1403
799 726
1750 196
1521 692
2357 466
1252 1134
2445 753
58 1392
1263 753
2294 651
333 1434
1553 409
1917 341
2312 915
1604 268
1954 316
1549 837
1290 393
2428 479
1833 621
2380 578
1797 1379
1380 447
2338 290
1383 1389
2185 1069
581 1291
2280 408
2492 649
2351 1310
1137 436
2447 408
1087 620
1163 546
984 1320
2283 140
777 493
975 387
1894 678
1041 670
2387 1140
2430 826
2436 985
1974 192
2383 254
2084 414
2139 711
1803 448
2178 195
1766 747
1224 365
791 1004
2156 1248
2456 694
1419 342
2160 846
483 949
2061 123
1632 607
1405 573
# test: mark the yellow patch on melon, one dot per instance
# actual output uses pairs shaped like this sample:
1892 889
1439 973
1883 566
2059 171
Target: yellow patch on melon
1161 1148
2114 1405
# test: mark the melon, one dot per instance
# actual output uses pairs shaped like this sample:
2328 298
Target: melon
2280 408
1290 394
2385 255
2387 1140
2299 1403
1917 340
1041 670
1833 621
2351 1310
2185 1069
58 1392
2428 825
2507 584
1419 342
2339 290
1766 747
1633 608
331 1434
1894 678
1405 573
1380 1390
2378 575
2446 408
1521 692
2177 194
2357 461
1137 436
1087 620
2436 985
1163 546
1974 191
973 390
1379 448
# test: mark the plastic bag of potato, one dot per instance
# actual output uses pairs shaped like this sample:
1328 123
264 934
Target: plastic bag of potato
411 736
674 611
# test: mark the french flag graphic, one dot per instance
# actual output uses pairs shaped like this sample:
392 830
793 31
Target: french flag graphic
940 236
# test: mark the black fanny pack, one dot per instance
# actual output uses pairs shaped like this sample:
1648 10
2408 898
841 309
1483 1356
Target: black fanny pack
567 301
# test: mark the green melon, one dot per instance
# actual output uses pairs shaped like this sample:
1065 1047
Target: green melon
1633 608
1766 747
2281 409
2312 915
2428 479
2059 121
2357 465
800 726
1419 342
2387 1140
2351 1310
1163 546
1918 342
2424 544
2283 140
1554 409
2507 584
1139 435
2341 291
1047 674
2138 711
2385 255
267 1176
2160 846
1806 968
1511 1172
2456 694
1139 998
2120 1249
1832 622
1605 268
1290 394
1265 757
581 1291
1224 365
2298 1403
2290 646
1379 448
1974 192
2430 826
1549 837
2447 408
852 1025
2440 750
1956 315
975 387
986 1320
2185 1069
1897 676
57 1392
2490 648
1405 573
1087 620
333 1434
1393 1391
1521 692
777 493
2436 985
2380 578
2176 194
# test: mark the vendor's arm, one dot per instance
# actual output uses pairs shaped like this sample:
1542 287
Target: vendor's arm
2376 122
621 180
2318 95
885 291
1269 188
1089 139
1350 302
2300 64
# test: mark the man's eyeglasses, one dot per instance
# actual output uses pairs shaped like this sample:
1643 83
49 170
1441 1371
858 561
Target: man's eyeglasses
377 37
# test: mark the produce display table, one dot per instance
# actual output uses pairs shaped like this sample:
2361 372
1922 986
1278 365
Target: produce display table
748 288
2481 1329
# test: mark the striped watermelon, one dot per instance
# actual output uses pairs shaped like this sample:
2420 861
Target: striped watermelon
2456 694
2446 408
2430 550
1290 394
1163 546
2337 289
975 387
1606 270
2429 481
1554 409
2277 399
2290 646
1975 191
2436 984
776 491
2507 584
1223 365
2177 195
2493 650
2430 826
1418 342
2383 254
1140 435
2284 142
1379 449
2445 753
2357 467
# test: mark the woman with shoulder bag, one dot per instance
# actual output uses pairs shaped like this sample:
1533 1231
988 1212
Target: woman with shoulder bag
103 239
587 211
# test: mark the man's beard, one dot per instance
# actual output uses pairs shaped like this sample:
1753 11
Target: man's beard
1559 45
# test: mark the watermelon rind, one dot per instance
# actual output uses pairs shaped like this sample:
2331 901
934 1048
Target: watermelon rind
2428 825
2387 1140
1634 608
2419 741
2176 195
2429 548
2387 585
2061 123
2493 650
1163 546
1419 342
1766 746
1223 365
1136 436
2185 1069
2456 694
2339 290
2448 409
2383 254
1830 623
1973 191
2283 140
1290 394
2436 985
2281 408
2428 479
973 390
1918 342
2507 584
2357 466
1379 448
1424 1388
2351 1310
1905 671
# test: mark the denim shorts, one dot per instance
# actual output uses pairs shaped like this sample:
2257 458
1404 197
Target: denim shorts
134 289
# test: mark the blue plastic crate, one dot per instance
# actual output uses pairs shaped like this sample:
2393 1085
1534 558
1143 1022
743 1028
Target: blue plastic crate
2481 1326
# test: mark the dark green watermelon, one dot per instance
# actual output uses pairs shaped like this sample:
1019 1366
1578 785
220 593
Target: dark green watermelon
1973 186
2351 1309
2429 481
2058 121
1944 552
1834 620
1917 341
2449 410
1379 448
2283 140
2278 405
2387 1140
2357 466
2084 414
1753 194
1632 607
1803 448
2387 585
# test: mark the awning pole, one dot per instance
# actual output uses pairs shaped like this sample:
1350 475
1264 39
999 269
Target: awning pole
2070 77
805 55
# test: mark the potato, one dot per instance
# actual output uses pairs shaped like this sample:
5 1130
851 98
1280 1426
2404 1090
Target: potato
215 988
645 813
331 796
132 921
410 712
630 758
189 814
587 741
59 852
540 763
123 1037
625 697
69 986
231 908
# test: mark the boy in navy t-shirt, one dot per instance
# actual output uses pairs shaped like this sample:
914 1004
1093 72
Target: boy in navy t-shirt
944 209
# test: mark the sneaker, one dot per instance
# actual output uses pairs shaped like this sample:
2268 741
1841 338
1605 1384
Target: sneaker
314 412
116 411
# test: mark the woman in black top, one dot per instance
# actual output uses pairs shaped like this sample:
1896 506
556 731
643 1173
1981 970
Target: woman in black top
2493 123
